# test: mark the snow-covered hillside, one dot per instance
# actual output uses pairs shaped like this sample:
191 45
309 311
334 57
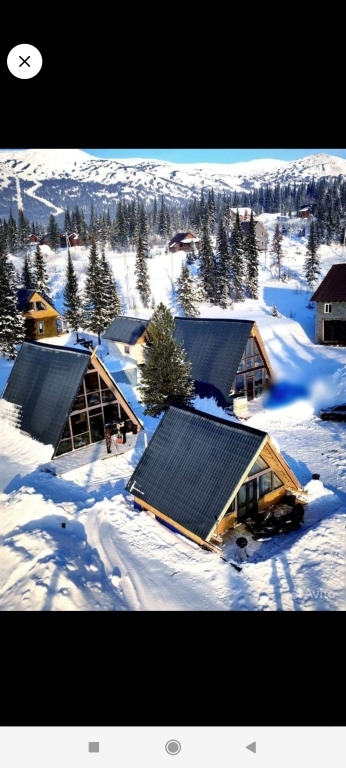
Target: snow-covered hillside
67 176
112 557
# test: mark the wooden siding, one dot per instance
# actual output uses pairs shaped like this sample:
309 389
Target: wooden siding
137 351
116 392
160 515
49 326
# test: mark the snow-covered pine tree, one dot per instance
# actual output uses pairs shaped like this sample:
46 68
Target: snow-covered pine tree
28 279
252 258
23 232
224 265
277 251
312 260
166 378
67 222
40 274
207 264
11 234
93 292
72 301
11 321
53 232
237 260
186 293
191 255
111 303
141 271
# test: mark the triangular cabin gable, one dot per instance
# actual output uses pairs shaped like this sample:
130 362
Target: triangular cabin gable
254 370
265 482
98 402
40 317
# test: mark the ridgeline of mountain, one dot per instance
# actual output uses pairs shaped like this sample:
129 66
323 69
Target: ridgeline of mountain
45 181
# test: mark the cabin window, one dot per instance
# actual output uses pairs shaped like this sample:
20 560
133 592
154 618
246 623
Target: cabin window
268 482
127 350
63 447
258 466
79 423
81 440
265 484
92 382
40 305
40 327
240 384
327 309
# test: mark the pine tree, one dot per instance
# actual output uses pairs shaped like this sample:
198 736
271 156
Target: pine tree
111 305
11 321
40 273
207 264
28 279
141 271
11 234
237 260
186 292
312 261
93 293
166 378
72 301
53 232
67 222
252 258
23 232
224 265
277 251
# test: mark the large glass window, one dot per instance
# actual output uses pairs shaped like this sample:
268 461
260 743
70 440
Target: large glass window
265 483
63 447
79 423
92 381
258 466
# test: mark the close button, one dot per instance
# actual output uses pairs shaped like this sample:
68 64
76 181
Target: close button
24 61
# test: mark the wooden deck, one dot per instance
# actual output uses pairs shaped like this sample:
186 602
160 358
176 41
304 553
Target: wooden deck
88 454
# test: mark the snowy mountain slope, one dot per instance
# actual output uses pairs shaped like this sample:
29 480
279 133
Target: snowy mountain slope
68 176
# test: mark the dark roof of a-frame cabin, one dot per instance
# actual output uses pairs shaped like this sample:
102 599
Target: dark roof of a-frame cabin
214 348
126 329
24 295
192 465
333 287
44 383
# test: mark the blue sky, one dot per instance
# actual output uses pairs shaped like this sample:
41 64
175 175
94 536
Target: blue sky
212 155
209 155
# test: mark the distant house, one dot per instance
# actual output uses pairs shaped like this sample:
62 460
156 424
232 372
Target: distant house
40 314
260 231
126 336
304 212
228 357
182 241
65 397
201 475
34 238
330 298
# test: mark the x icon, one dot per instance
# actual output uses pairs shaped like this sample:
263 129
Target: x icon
24 61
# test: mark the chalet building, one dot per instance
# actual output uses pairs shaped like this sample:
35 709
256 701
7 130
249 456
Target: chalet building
34 239
330 298
41 317
304 212
182 241
65 397
127 336
202 475
260 232
228 357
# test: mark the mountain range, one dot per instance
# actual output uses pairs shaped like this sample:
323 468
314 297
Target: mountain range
45 181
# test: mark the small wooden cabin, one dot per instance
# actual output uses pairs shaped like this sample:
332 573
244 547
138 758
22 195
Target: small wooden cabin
65 397
228 357
202 475
126 337
40 314
182 241
330 298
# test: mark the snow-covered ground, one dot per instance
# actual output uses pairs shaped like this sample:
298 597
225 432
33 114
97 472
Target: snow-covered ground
109 556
